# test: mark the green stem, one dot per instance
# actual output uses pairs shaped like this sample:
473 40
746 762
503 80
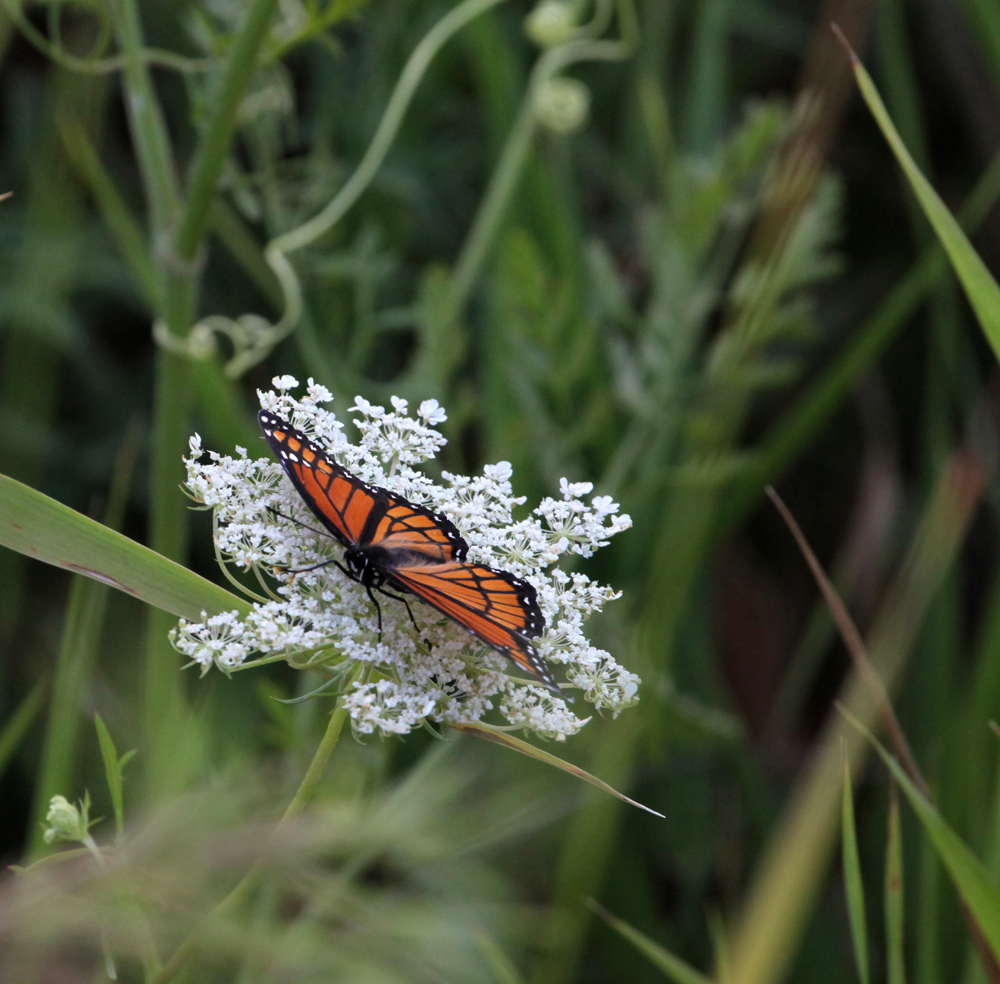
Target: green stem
213 148
278 249
310 781
305 792
512 161
399 102
146 122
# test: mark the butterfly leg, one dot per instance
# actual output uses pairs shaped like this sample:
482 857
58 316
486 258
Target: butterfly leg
303 570
409 612
378 609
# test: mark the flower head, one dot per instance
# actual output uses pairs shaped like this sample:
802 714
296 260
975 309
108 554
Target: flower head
429 668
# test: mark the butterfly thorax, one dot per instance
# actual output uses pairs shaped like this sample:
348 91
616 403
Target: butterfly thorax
372 563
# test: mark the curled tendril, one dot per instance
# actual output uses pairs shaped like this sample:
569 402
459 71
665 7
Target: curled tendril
94 63
253 337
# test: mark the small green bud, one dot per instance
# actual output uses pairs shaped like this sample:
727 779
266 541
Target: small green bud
551 22
65 821
563 105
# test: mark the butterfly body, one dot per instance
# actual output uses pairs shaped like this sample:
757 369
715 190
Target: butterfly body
391 541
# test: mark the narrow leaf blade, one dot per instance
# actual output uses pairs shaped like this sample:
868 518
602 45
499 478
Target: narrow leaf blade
894 896
518 745
112 770
46 530
673 967
853 884
974 883
980 287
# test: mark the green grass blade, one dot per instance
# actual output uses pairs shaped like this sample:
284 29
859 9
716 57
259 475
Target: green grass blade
14 730
673 967
971 878
791 870
980 287
896 967
46 530
853 885
525 748
88 601
113 766
129 235
85 611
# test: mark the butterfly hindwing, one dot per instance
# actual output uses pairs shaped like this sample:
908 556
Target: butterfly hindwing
495 606
411 527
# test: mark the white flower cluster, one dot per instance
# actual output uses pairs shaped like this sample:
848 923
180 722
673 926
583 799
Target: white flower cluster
320 619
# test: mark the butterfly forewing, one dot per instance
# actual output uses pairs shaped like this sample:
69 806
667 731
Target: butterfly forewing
357 514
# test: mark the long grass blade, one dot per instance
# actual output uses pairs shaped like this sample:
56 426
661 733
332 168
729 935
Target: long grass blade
16 727
526 748
673 968
980 287
853 883
896 966
972 880
46 530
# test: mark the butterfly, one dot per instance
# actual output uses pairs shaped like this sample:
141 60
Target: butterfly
391 541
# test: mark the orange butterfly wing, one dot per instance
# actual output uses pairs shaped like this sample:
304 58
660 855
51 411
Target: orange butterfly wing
355 513
495 606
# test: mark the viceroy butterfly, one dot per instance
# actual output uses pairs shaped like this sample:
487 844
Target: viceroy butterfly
392 541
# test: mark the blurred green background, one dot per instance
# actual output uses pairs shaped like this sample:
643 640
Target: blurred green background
713 279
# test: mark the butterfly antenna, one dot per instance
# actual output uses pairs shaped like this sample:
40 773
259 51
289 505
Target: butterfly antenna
298 522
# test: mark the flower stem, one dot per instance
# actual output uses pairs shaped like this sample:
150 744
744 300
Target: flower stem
307 788
305 792
517 151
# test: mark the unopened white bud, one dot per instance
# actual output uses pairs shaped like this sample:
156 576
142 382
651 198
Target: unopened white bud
563 105
64 821
551 22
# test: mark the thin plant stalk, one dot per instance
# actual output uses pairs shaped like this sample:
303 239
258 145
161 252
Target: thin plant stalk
242 892
789 875
85 612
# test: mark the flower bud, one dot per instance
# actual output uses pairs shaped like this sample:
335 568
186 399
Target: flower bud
551 22
562 105
64 821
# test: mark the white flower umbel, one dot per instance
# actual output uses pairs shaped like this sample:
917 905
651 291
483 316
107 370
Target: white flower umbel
320 619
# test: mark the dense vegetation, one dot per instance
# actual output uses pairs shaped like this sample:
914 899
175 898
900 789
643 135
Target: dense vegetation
659 247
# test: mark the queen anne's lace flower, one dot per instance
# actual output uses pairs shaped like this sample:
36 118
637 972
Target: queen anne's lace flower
320 619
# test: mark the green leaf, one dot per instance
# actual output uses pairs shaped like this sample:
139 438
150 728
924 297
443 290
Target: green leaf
980 287
971 878
113 766
46 530
673 967
853 885
518 745
894 896
81 636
